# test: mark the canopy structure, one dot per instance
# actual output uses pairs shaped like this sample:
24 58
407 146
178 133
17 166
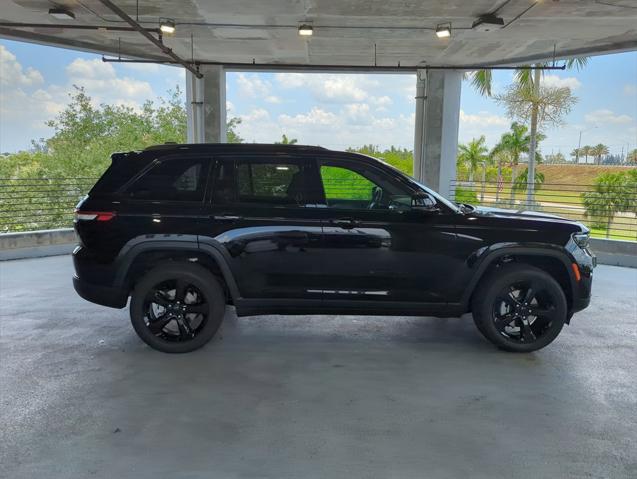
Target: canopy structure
436 39
344 32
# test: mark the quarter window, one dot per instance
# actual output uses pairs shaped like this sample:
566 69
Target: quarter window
175 179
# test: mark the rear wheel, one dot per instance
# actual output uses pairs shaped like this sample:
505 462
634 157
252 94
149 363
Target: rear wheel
177 308
520 308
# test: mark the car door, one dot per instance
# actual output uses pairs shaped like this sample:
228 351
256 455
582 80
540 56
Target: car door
376 246
264 215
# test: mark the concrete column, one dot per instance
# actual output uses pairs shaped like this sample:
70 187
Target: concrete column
206 105
436 128
194 108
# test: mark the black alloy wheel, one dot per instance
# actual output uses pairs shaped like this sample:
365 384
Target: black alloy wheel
177 307
175 310
519 308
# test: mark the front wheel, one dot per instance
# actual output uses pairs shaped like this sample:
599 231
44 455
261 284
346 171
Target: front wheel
177 308
520 308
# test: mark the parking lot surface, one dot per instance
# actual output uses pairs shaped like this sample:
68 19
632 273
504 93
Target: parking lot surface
310 396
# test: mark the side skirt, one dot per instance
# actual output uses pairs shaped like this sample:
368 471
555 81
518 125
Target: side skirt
253 307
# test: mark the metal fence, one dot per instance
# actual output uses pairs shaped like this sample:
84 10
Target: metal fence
40 203
44 203
609 212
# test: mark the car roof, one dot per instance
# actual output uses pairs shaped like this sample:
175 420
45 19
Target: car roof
239 147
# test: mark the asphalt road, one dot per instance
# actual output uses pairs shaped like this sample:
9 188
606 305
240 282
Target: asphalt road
310 396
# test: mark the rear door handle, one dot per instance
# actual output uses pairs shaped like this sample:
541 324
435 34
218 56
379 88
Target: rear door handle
346 223
226 218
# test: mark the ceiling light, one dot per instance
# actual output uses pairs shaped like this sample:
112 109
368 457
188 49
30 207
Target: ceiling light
306 30
443 30
61 14
166 25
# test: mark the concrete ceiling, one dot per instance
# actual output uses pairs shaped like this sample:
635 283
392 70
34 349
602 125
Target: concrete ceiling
346 32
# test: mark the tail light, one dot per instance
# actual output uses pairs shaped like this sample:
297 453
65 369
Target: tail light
94 215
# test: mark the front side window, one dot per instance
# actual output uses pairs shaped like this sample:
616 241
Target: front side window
174 180
360 187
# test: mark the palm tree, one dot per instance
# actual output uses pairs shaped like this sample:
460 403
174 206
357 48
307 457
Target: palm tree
598 151
606 200
586 151
472 154
286 141
576 153
529 83
514 142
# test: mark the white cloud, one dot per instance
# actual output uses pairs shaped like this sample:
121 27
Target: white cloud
316 116
330 88
483 118
602 117
630 89
142 67
253 86
11 71
258 114
81 68
272 99
560 82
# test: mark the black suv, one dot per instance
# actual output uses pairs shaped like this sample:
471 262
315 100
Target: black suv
185 230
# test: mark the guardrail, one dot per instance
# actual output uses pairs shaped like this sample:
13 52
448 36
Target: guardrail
610 212
40 203
48 203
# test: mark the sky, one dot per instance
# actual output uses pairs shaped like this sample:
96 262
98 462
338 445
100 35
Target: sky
335 111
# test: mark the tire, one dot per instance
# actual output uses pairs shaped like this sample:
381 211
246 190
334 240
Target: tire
170 324
519 308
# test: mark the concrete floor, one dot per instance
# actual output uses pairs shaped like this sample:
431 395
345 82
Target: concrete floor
310 397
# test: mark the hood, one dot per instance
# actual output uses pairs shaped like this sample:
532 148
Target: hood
533 216
485 210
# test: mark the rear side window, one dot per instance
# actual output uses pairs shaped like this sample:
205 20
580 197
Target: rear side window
175 179
275 182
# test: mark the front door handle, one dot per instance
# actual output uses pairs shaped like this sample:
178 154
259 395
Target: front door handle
226 218
346 223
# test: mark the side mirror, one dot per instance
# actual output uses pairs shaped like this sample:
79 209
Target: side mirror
425 203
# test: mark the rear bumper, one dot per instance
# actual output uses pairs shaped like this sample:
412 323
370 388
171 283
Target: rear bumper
104 295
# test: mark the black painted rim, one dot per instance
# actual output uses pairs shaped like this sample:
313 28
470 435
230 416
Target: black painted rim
176 310
524 311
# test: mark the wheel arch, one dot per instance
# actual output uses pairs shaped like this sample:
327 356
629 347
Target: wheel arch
142 254
549 259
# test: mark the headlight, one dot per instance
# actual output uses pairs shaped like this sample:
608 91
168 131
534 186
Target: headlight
581 239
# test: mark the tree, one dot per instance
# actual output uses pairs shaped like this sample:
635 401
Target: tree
472 154
632 157
557 158
286 141
514 142
541 103
576 153
606 200
522 180
598 151
231 130
586 151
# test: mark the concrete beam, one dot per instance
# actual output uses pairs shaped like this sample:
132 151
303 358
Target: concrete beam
436 128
